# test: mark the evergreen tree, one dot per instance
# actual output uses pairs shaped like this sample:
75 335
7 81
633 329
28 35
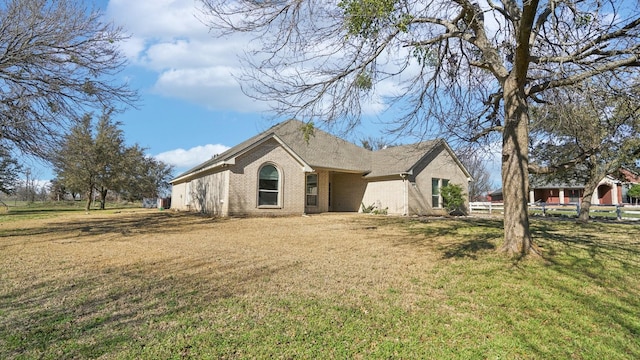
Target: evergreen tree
9 172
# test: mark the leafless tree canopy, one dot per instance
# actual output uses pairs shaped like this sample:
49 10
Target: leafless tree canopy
476 164
467 68
446 60
58 60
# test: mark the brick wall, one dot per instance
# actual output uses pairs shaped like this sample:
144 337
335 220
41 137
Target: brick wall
243 182
439 165
178 196
347 191
389 194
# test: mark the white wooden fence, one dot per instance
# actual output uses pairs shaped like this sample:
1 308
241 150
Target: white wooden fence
625 212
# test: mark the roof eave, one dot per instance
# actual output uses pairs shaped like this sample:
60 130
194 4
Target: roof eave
191 174
401 174
231 158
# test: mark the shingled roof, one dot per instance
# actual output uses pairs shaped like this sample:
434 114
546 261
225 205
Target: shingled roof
398 160
327 151
323 149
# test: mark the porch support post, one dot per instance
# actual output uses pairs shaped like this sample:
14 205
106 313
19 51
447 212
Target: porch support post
561 194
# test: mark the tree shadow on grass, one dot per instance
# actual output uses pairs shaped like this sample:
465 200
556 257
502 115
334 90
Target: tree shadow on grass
592 269
605 257
119 225
93 314
455 238
468 249
602 242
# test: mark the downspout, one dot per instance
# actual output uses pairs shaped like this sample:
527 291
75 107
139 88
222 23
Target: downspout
405 194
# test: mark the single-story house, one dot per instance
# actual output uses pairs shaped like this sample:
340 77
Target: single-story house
610 191
279 172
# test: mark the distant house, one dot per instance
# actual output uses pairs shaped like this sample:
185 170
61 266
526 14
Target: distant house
278 172
495 196
610 191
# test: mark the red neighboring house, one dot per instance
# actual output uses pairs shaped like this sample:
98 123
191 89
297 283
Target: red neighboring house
610 190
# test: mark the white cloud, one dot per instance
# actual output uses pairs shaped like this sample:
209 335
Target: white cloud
157 18
181 158
169 39
212 87
191 64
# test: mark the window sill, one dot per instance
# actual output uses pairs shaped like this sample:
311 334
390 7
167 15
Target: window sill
269 207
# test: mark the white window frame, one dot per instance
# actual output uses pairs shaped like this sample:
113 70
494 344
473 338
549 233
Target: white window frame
278 191
310 193
441 183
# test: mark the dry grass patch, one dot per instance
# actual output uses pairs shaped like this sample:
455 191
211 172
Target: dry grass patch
150 284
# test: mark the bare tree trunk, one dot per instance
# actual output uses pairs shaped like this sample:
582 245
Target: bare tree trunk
585 206
103 198
515 172
87 206
589 188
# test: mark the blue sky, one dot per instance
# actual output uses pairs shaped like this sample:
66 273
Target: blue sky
191 107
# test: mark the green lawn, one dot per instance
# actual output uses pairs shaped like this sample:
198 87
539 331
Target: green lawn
434 289
16 210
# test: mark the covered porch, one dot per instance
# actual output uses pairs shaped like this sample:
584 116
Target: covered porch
330 190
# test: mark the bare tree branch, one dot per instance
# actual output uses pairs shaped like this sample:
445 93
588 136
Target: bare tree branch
58 60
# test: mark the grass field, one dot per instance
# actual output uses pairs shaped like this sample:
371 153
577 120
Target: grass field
131 284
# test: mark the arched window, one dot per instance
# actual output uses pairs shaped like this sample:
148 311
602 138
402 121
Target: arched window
268 186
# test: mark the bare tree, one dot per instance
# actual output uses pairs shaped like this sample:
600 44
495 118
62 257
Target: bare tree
58 60
375 143
476 164
587 135
470 69
29 190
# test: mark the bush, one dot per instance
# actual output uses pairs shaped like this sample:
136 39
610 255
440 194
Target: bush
368 209
373 209
453 199
634 192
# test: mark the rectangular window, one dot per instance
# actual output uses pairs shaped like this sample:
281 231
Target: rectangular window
312 189
267 198
435 192
436 196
